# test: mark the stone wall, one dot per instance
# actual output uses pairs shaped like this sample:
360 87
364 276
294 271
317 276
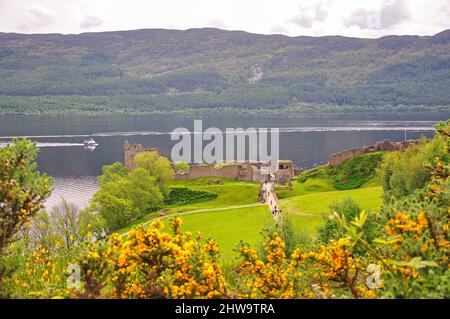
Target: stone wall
340 157
384 145
259 176
238 171
283 176
208 170
248 171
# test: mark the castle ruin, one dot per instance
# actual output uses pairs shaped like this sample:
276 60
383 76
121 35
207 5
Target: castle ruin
241 171
130 151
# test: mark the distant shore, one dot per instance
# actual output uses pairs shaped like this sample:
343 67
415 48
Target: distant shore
318 111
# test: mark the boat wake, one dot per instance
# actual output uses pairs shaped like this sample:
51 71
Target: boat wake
47 144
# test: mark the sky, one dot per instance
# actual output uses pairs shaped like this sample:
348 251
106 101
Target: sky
356 18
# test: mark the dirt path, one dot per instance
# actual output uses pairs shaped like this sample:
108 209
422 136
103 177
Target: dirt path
272 200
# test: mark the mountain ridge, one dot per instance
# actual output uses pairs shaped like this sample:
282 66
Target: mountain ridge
445 32
161 69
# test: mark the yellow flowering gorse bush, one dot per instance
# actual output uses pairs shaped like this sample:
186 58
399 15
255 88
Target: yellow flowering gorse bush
153 263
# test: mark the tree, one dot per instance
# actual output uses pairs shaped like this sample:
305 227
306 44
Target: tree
330 228
180 166
112 173
144 190
113 204
158 167
39 233
404 172
23 191
72 225
65 226
124 196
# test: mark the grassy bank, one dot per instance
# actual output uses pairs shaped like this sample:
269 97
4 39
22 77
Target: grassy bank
229 226
307 211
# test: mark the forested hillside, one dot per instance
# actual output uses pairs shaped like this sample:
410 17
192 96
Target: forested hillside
158 70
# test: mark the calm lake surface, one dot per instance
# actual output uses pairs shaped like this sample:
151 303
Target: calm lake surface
74 169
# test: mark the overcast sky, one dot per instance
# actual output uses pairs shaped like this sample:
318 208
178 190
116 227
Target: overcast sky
359 18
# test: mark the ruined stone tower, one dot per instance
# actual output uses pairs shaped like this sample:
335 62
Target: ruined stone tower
130 151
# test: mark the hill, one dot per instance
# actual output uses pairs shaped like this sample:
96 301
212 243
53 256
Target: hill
158 70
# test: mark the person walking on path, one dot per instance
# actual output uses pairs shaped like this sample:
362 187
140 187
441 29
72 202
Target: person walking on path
271 200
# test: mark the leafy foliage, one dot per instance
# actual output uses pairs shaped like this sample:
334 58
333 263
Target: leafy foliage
22 188
180 166
124 196
356 171
183 195
351 174
157 166
330 229
22 193
413 249
404 172
152 263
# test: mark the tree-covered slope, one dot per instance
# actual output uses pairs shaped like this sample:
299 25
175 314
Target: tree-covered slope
210 68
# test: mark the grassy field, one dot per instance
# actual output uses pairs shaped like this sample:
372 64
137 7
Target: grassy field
307 211
318 203
230 193
312 185
213 219
229 226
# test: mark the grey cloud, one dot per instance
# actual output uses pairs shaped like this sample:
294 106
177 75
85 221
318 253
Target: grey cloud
36 16
90 21
311 14
359 18
390 14
394 12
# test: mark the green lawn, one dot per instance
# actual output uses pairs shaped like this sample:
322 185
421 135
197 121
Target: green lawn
312 185
306 211
375 181
230 193
306 224
229 226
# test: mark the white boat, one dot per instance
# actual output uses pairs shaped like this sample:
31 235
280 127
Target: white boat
89 141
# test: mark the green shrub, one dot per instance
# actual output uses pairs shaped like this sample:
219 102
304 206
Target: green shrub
404 172
317 172
183 195
180 166
356 171
350 209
